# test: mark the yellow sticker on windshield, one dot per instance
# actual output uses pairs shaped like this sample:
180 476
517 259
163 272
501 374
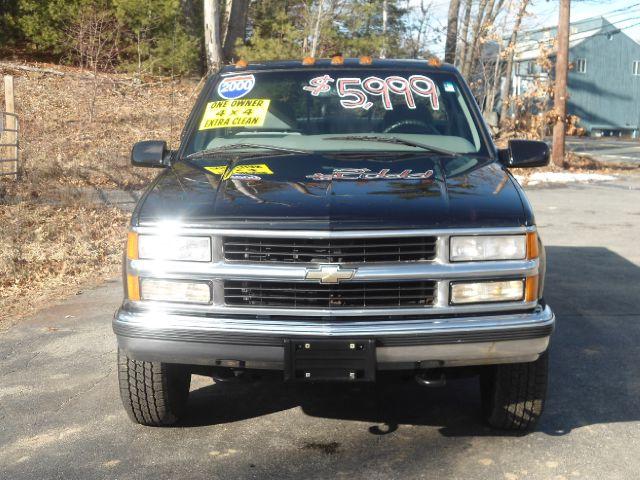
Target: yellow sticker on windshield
218 170
244 112
253 169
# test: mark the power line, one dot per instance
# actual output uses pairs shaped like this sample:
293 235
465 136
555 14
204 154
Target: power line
603 29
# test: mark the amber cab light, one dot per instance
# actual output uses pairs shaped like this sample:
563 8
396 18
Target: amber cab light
337 60
308 61
434 62
242 63
366 60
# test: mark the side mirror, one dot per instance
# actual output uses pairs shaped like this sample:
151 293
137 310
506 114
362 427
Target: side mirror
151 153
525 154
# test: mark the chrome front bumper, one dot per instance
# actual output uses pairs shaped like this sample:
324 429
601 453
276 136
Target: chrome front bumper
430 342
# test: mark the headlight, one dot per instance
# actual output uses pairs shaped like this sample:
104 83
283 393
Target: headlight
163 247
175 291
480 248
481 292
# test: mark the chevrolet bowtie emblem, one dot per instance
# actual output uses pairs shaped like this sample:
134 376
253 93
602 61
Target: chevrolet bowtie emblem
330 274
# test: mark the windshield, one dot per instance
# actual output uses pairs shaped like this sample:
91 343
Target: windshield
337 110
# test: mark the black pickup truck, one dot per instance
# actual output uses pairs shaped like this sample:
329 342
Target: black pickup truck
335 220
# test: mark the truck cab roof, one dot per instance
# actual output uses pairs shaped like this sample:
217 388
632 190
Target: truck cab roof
422 65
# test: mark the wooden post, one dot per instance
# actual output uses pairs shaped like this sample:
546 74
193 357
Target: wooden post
10 134
561 92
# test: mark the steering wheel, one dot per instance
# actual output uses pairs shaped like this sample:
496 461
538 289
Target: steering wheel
416 123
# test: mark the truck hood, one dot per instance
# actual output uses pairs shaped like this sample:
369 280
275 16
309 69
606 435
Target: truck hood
336 191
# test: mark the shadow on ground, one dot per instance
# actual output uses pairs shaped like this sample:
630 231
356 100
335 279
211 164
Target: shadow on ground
595 376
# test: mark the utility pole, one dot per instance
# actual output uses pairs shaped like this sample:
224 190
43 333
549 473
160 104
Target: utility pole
561 92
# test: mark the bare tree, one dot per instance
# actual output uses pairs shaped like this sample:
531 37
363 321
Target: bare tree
464 35
235 25
452 32
316 30
470 55
385 20
510 52
93 38
417 30
212 44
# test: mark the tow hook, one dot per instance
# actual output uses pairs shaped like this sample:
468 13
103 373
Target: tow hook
433 378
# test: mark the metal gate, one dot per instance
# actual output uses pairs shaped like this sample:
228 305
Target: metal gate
9 143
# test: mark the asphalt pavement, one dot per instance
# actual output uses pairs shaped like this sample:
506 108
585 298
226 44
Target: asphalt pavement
607 149
61 418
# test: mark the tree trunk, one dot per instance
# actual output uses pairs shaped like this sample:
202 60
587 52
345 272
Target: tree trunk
511 51
492 89
213 49
385 19
470 56
560 96
452 32
465 33
316 30
236 26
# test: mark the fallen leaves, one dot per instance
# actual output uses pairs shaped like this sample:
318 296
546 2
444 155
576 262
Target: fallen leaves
46 249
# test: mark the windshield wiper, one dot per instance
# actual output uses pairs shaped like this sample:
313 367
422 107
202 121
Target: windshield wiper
241 146
395 140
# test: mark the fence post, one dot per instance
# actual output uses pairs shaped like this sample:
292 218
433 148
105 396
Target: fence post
11 126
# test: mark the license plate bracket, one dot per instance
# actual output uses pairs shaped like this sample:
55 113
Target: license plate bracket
313 360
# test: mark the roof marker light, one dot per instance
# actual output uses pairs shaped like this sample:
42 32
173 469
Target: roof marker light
242 63
337 60
366 60
308 61
434 62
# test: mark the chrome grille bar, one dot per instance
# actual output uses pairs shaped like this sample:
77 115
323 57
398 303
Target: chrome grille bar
309 250
347 295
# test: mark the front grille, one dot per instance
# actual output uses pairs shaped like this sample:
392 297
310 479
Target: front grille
350 250
315 295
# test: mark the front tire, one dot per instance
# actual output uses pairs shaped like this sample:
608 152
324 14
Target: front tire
513 395
153 393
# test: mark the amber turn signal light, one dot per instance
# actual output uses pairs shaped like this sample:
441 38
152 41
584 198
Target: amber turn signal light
132 246
133 287
532 246
531 289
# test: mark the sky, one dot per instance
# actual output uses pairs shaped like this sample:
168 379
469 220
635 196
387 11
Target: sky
625 14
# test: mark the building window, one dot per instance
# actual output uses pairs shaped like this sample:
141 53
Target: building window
581 65
636 68
531 68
